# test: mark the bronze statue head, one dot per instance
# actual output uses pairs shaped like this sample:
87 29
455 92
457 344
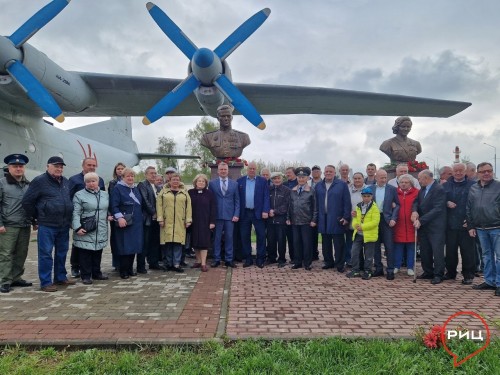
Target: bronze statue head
398 122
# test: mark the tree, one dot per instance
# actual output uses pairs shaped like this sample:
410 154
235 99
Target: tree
193 167
166 146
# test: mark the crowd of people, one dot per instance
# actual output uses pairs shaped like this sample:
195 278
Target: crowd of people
151 223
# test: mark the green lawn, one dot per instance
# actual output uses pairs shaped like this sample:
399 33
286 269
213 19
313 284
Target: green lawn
328 356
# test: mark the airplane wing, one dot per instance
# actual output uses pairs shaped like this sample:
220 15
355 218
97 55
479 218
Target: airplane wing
132 96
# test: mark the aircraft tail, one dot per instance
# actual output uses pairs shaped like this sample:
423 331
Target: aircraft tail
115 132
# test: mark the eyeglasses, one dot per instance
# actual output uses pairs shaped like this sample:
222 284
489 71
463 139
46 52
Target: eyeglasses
485 171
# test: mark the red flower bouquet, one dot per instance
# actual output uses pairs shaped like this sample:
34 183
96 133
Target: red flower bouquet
416 166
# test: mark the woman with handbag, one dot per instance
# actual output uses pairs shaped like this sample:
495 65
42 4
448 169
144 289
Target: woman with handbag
126 209
90 227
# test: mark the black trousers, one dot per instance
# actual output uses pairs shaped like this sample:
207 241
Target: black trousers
74 258
432 251
90 263
291 244
151 248
454 240
276 242
329 243
315 251
302 237
127 264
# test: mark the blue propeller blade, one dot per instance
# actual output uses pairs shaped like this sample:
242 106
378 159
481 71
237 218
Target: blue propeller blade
37 21
241 34
171 30
171 100
35 90
239 101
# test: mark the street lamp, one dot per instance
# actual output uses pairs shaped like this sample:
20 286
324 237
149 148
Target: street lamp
493 147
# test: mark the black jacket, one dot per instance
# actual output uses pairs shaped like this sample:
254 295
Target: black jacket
457 192
280 201
483 206
148 201
48 202
431 208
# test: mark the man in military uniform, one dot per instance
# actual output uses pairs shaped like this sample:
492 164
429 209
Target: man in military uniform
14 225
225 142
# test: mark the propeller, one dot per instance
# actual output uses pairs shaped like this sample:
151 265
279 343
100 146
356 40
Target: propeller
11 58
206 66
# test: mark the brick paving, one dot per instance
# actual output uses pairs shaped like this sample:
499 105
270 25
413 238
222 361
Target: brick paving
166 307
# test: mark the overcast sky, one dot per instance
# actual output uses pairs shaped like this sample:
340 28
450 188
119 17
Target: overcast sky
445 49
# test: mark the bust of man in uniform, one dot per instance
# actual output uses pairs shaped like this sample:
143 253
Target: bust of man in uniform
401 148
225 142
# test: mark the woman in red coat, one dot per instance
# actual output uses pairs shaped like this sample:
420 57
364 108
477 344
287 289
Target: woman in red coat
404 232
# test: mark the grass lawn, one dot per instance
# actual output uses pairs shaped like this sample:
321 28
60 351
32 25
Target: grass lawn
322 356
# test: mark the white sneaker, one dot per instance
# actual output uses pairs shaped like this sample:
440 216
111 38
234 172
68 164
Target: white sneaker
396 270
410 272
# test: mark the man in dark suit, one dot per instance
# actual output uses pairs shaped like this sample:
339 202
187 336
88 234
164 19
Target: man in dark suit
386 197
151 249
228 210
429 217
254 208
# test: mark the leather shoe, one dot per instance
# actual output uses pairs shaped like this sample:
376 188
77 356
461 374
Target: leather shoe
497 292
75 272
143 271
183 264
326 267
215 264
66 282
22 283
425 276
178 269
195 265
101 277
231 264
449 277
341 269
484 286
49 288
378 273
87 281
390 276
467 281
204 269
281 264
296 266
246 264
5 288
124 276
132 273
308 268
260 265
436 280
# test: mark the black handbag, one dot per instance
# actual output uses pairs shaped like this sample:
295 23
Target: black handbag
88 224
129 218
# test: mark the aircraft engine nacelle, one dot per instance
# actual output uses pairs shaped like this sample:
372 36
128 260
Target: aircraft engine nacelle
69 89
209 96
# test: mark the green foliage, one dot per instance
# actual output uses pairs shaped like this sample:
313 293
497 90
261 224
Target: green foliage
319 356
166 146
193 167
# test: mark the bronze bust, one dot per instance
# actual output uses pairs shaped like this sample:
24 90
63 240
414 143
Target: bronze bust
225 142
400 148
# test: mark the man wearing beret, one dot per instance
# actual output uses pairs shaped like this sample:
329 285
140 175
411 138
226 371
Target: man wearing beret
14 225
48 202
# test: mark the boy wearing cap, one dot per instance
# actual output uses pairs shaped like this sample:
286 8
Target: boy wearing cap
365 225
14 225
48 202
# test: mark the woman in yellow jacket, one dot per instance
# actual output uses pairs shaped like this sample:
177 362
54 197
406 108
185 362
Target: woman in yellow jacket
365 224
173 208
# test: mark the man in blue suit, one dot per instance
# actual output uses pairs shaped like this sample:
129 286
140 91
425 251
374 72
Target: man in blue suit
255 206
386 197
228 211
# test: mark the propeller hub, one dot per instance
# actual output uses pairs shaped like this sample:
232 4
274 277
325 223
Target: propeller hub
8 53
206 66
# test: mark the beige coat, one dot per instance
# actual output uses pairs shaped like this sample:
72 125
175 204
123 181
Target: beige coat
175 211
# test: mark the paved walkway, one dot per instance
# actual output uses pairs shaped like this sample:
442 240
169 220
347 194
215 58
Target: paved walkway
166 307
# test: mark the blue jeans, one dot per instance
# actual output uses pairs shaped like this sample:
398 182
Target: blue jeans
52 238
226 226
399 249
490 243
172 254
248 218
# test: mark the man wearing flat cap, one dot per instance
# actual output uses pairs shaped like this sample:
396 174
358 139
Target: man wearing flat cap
48 202
14 225
302 216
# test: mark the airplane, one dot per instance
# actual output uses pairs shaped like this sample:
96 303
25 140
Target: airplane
32 86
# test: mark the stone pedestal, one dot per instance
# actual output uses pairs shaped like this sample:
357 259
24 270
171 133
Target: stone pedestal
234 170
